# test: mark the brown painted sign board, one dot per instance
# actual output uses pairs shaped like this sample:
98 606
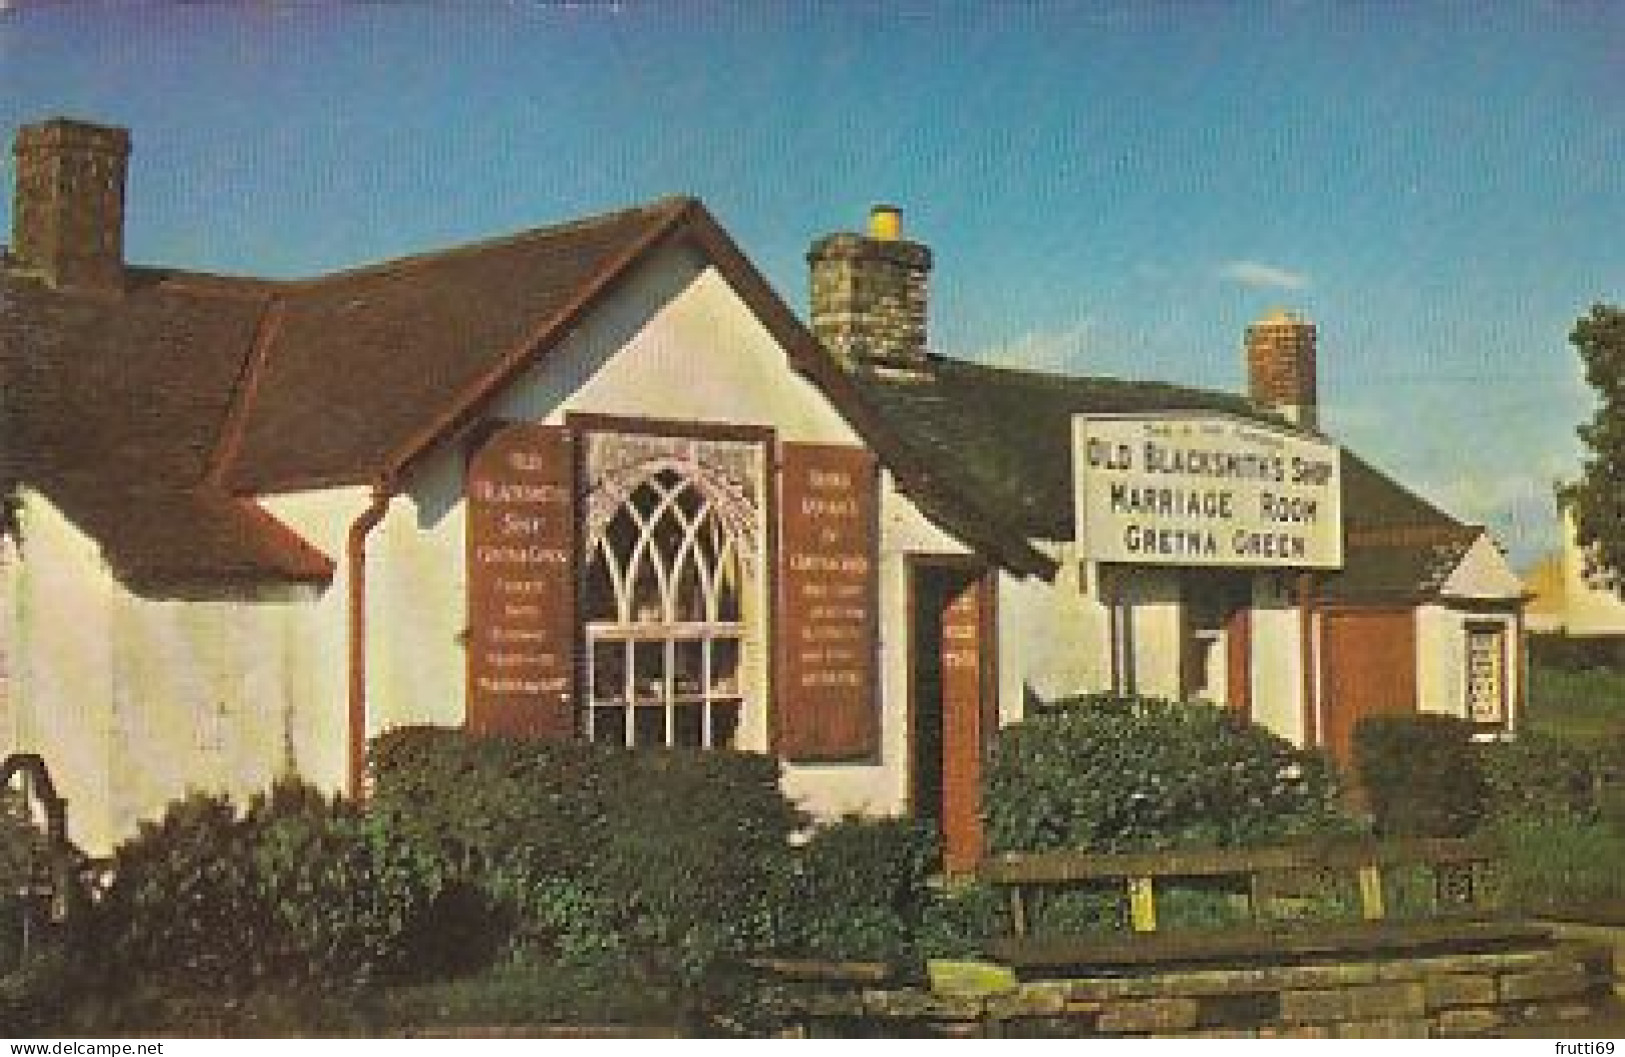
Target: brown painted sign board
826 679
521 584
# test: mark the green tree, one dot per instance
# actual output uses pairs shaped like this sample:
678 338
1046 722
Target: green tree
1597 500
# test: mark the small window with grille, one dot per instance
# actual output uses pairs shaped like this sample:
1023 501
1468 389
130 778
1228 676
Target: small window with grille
1486 675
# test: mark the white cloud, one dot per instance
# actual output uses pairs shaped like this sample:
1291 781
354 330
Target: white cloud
1045 350
1517 507
1256 273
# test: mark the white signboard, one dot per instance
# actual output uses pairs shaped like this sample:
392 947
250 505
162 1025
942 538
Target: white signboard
1183 489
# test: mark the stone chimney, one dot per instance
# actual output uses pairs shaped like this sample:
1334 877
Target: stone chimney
68 214
869 295
1281 367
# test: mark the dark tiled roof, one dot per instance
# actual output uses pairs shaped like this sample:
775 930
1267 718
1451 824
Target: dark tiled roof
1396 544
1006 436
149 418
1400 567
111 408
354 366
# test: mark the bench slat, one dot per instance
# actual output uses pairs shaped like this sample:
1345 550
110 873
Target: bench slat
1340 939
1059 867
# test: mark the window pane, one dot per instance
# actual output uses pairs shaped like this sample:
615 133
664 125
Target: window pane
608 725
649 726
724 667
689 731
668 537
724 724
646 607
690 502
608 670
649 672
687 668
598 593
727 577
621 536
690 591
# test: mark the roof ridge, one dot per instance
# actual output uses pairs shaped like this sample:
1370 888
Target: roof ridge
1038 375
656 210
1370 467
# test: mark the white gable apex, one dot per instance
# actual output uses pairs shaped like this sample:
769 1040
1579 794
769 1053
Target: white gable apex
1483 572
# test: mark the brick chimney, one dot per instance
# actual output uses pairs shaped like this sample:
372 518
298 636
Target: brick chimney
869 295
1281 367
68 214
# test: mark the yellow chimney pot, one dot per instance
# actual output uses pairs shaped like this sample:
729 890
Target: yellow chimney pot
886 223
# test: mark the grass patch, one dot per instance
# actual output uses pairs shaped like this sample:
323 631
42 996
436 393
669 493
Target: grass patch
501 996
523 994
1585 709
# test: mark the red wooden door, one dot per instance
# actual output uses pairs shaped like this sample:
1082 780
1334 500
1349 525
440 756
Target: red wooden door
1368 662
955 711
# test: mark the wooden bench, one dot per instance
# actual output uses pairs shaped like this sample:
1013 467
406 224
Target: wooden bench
1260 875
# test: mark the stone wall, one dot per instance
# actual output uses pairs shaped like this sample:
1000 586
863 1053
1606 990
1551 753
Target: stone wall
1446 996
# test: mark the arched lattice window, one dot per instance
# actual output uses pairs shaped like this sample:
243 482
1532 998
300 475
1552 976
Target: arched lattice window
663 605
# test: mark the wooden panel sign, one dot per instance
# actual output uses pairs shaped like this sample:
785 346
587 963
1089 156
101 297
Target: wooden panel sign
966 722
828 604
521 584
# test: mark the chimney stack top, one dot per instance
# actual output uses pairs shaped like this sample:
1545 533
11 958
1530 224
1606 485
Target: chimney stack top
68 212
1281 367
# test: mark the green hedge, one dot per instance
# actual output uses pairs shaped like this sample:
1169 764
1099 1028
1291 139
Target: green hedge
292 887
858 889
1576 653
1119 774
1420 774
660 861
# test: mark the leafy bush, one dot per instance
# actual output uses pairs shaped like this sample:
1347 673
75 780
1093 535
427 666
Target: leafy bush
39 983
1121 774
858 889
958 921
1420 774
186 902
655 860
1536 776
295 886
349 899
25 856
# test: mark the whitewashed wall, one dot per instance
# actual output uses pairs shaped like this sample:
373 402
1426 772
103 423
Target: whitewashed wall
1055 638
676 343
134 702
1441 663
1481 580
62 673
316 635
1277 660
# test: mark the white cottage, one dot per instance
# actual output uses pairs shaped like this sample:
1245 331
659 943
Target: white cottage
597 481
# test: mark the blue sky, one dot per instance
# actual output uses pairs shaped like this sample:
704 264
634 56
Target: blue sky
1110 188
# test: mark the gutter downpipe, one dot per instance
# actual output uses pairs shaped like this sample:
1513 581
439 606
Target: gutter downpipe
355 556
